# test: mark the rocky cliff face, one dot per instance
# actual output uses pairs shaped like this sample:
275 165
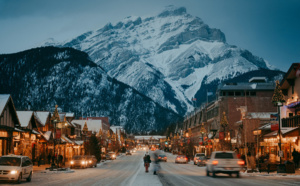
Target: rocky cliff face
169 57
48 76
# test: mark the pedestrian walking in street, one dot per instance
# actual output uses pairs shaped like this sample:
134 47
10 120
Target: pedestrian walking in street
295 155
156 163
147 161
49 158
39 160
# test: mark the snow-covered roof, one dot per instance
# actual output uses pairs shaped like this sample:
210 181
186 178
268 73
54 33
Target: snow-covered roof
66 139
115 128
79 142
42 116
24 117
3 100
70 114
47 135
93 125
284 130
35 132
260 115
247 86
265 127
148 137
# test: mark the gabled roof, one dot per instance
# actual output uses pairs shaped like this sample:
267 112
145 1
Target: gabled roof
42 116
24 117
291 74
3 101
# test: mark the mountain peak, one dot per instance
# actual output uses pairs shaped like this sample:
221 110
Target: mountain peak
172 10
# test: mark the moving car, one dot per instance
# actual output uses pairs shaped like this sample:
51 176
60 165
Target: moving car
15 168
162 157
91 161
201 161
128 152
181 159
224 162
79 161
111 156
197 155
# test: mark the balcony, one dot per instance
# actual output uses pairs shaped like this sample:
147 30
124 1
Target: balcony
291 121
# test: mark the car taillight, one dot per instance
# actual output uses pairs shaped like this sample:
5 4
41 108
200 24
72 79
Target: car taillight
215 162
241 162
186 159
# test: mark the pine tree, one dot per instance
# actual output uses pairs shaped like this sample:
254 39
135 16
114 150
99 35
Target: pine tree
224 121
95 147
278 95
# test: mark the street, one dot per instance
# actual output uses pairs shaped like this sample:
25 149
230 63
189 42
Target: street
129 170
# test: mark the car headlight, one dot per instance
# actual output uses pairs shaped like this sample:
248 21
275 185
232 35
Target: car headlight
113 156
13 172
90 161
83 162
72 162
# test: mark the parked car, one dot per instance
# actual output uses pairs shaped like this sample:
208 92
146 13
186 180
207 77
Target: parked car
128 152
162 157
181 159
78 161
111 156
91 161
15 168
224 162
197 155
201 161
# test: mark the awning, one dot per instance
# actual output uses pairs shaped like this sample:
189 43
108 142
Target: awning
67 140
47 135
35 132
265 127
79 142
19 130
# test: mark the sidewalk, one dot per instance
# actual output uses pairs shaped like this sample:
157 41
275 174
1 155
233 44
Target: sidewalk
273 174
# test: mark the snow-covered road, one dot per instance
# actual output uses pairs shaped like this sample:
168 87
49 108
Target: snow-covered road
191 175
129 171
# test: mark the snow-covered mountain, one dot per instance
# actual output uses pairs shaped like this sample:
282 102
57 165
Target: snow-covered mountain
169 57
48 76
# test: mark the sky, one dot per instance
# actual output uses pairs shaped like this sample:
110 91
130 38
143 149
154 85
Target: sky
268 28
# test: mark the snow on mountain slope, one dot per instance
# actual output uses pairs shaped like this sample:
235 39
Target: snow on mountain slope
166 57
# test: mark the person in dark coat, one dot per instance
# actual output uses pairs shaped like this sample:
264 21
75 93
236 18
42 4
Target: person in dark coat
147 161
49 158
295 155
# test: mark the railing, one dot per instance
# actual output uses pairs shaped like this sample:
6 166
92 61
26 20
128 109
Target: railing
291 121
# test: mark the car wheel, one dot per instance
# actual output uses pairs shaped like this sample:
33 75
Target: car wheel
95 165
207 172
19 178
214 174
29 177
237 174
194 163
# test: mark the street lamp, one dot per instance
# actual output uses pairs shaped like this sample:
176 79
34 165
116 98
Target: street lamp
202 131
257 133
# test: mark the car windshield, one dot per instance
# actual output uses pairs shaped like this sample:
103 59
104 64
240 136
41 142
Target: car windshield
199 155
224 155
77 157
162 155
10 161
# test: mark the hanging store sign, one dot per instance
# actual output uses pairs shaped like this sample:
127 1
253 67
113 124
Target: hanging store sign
221 135
58 134
274 126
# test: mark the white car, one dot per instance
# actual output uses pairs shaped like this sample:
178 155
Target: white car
224 162
15 168
198 155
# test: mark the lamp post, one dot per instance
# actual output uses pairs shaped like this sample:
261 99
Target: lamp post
202 131
257 133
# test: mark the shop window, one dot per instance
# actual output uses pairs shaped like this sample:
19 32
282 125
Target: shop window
238 93
223 93
252 93
230 93
290 114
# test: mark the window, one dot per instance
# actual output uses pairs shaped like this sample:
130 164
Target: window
224 155
238 93
252 93
230 93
